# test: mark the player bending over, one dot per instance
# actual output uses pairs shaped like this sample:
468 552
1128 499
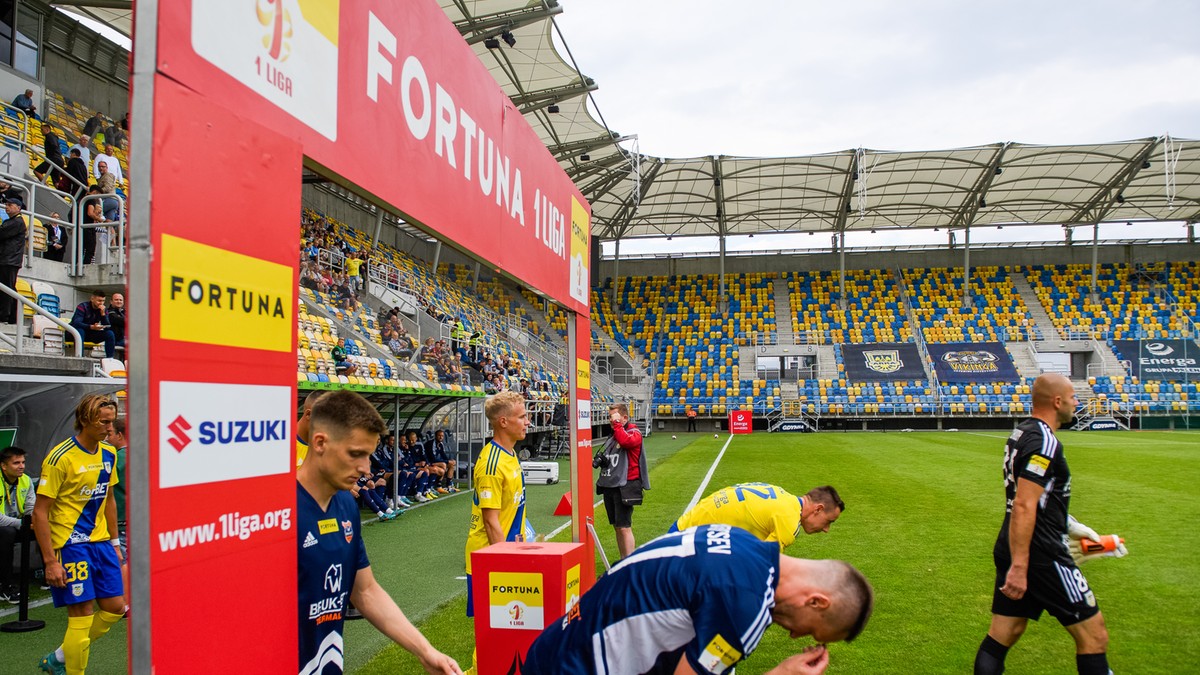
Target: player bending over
767 511
698 601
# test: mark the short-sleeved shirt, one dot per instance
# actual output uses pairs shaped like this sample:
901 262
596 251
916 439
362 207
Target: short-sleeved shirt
704 594
437 451
352 266
301 451
78 481
331 553
767 511
1033 452
500 485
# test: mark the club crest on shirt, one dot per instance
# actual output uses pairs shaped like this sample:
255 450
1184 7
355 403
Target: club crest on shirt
77 589
348 530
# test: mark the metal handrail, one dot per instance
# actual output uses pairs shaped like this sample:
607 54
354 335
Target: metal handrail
77 247
20 343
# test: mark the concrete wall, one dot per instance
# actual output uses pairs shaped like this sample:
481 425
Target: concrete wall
1050 255
67 77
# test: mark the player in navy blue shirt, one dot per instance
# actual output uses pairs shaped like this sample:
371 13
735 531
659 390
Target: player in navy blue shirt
333 565
698 601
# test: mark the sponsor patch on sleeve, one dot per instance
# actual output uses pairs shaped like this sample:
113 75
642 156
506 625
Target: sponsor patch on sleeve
1038 465
327 526
718 656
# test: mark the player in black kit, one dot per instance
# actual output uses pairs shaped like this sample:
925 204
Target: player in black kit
1034 568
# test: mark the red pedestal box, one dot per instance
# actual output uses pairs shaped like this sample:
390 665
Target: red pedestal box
741 422
519 588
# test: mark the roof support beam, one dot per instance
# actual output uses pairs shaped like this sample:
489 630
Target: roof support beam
721 228
530 101
579 172
1105 199
595 190
564 151
839 226
479 28
965 216
620 224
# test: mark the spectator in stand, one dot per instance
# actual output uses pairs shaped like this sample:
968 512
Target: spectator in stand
77 168
125 123
340 362
309 277
114 135
8 191
91 320
114 167
24 103
525 389
93 213
56 238
12 252
428 353
116 319
17 497
107 181
93 124
84 146
353 280
54 156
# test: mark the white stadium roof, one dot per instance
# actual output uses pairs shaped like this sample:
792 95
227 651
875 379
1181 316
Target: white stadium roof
1151 179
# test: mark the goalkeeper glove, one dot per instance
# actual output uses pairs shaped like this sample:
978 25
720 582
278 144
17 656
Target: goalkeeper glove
1083 550
1077 530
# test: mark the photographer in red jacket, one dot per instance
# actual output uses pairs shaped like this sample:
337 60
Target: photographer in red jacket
623 475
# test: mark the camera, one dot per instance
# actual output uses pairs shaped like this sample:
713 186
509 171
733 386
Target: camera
600 461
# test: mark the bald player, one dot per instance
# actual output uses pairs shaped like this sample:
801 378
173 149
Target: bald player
769 512
1035 572
304 426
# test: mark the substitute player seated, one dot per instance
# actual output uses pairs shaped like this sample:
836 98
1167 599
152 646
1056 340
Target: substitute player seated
699 601
767 511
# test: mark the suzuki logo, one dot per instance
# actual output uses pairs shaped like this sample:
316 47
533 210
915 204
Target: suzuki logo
179 428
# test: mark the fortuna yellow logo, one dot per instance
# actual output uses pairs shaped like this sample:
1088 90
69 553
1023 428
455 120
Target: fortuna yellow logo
719 655
213 296
278 22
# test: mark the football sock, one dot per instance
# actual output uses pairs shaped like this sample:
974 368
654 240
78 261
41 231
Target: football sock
1092 664
989 660
58 654
101 622
76 644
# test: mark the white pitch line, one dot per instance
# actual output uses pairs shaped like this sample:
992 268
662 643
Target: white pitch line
972 433
708 476
35 603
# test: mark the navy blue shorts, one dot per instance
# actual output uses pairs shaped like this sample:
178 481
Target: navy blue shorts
470 598
93 571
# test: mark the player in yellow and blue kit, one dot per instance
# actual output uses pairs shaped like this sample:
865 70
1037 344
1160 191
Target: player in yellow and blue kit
498 508
304 426
767 511
75 522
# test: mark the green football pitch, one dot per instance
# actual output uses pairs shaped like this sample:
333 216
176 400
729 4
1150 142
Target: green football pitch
922 513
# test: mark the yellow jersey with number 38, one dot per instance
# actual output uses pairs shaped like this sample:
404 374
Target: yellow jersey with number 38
78 481
767 511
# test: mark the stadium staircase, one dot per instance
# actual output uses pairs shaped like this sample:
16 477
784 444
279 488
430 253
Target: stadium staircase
782 296
1033 304
827 366
1023 359
1099 411
918 335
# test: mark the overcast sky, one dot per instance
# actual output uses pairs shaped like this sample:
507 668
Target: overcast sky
781 78
778 78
